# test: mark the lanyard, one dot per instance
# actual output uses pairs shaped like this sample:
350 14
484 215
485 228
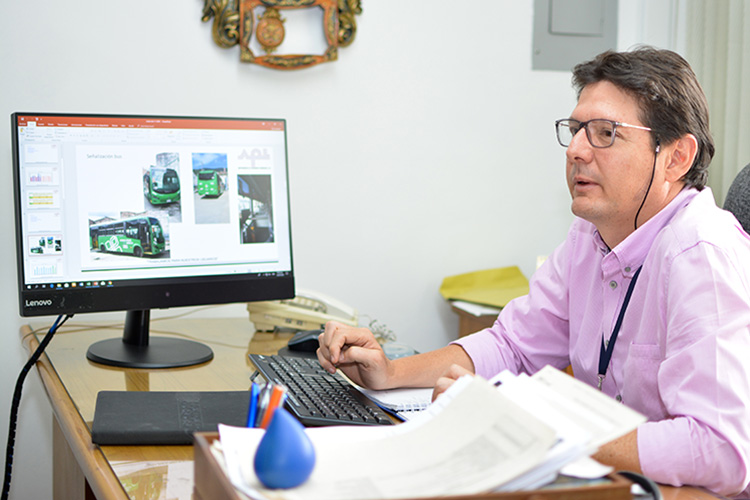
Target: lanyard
606 354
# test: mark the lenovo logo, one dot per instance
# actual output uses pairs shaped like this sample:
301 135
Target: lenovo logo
39 303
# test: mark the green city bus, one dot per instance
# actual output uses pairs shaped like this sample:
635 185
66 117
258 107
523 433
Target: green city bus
161 185
138 236
209 183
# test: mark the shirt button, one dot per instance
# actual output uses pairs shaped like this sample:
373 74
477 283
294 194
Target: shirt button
613 284
627 269
618 398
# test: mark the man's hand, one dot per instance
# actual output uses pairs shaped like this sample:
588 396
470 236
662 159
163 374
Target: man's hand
356 352
446 380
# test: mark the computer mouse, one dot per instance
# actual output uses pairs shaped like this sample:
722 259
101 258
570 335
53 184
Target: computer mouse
305 341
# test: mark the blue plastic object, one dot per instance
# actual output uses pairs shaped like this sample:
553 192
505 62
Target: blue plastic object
285 457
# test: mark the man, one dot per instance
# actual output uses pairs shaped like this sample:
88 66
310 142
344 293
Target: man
648 298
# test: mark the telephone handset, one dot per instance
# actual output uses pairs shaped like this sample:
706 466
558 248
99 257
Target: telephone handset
307 311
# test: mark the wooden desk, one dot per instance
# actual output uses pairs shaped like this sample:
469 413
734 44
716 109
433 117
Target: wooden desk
83 470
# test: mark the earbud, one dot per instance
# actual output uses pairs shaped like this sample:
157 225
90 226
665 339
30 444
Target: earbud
658 146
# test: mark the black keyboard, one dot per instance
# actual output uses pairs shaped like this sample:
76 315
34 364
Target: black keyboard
317 397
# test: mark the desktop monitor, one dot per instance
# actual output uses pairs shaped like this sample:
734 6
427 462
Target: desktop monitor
132 213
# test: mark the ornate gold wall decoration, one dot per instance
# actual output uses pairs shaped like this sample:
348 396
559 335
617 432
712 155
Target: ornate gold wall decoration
234 24
270 32
225 29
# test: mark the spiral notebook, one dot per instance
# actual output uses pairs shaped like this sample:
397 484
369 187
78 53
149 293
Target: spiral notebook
401 400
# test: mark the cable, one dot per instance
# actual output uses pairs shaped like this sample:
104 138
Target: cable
17 400
653 171
648 485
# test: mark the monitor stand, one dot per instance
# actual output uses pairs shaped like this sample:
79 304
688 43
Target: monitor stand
136 349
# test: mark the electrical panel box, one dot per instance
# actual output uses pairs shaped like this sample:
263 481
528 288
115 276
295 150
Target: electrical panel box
567 32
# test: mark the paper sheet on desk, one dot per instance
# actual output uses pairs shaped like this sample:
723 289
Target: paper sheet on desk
583 417
603 418
475 309
492 287
472 439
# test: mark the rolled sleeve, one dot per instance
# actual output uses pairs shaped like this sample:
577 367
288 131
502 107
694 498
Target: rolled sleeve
480 344
495 349
680 451
531 331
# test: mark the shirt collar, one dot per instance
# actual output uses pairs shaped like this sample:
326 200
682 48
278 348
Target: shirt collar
632 251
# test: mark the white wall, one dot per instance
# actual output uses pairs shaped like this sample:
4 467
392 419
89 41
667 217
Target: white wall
426 150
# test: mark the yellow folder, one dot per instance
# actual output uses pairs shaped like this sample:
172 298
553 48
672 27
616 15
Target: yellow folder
492 287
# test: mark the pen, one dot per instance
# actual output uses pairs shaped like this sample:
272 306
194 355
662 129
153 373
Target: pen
253 408
278 395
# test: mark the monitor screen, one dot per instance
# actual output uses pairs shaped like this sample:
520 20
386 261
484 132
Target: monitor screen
131 213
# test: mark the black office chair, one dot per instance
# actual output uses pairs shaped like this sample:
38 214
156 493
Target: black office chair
738 198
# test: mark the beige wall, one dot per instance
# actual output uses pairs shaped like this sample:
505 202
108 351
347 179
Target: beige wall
426 150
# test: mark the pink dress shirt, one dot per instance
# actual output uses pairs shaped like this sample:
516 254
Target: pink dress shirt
682 357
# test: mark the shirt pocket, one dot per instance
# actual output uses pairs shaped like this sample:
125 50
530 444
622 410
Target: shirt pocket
640 380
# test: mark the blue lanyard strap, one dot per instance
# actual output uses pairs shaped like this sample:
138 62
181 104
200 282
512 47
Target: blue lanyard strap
605 355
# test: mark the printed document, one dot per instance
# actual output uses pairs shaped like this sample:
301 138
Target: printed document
478 440
474 438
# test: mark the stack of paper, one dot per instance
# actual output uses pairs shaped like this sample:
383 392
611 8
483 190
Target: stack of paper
476 437
475 309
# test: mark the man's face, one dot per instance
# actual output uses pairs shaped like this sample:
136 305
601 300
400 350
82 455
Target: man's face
608 184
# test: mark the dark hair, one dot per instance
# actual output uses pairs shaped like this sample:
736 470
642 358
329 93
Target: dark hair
671 100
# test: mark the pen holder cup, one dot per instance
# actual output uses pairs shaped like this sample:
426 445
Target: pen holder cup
285 457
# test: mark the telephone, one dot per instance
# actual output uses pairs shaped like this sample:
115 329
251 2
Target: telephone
307 311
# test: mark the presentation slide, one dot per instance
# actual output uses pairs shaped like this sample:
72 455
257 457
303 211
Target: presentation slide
106 203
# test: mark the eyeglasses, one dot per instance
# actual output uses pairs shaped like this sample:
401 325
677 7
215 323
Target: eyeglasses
600 132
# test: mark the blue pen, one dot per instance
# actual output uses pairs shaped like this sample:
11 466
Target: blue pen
251 412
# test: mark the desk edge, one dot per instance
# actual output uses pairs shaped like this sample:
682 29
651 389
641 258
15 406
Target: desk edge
95 467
